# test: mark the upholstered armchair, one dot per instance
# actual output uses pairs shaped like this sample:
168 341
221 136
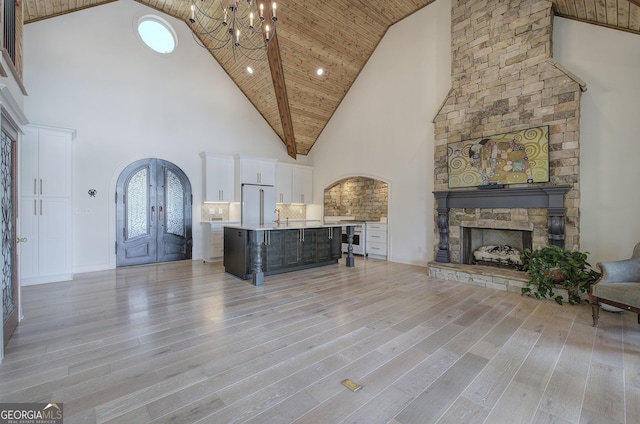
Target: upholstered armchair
619 285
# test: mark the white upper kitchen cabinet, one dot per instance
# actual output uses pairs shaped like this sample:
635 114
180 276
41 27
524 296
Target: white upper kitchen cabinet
283 183
294 183
255 170
219 177
45 205
302 182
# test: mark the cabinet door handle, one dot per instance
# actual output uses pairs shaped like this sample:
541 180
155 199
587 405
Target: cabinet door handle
302 198
35 182
160 213
40 185
220 195
35 207
153 213
40 206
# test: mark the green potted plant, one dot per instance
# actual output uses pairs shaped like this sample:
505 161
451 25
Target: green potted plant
551 267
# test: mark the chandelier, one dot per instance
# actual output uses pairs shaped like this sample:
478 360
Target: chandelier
245 26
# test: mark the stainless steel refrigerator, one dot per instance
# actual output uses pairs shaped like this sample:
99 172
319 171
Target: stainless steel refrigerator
258 204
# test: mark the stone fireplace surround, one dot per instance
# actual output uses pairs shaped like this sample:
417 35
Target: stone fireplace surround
540 210
550 198
504 79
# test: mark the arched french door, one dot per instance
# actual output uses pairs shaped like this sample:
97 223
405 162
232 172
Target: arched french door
153 213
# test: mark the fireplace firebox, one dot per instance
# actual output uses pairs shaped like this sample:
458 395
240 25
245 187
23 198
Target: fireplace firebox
501 243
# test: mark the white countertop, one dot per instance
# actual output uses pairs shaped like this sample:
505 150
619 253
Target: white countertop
343 219
292 225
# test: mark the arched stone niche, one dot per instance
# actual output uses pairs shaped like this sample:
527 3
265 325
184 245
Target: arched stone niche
364 198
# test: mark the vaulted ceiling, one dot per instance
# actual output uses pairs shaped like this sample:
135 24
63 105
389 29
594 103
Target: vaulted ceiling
329 34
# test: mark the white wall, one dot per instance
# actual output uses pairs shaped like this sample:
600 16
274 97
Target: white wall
608 61
383 128
88 70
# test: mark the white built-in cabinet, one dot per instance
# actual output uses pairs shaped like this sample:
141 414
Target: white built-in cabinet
255 170
219 177
294 183
376 245
45 205
214 242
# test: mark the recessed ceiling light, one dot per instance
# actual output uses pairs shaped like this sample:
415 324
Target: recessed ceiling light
250 69
320 71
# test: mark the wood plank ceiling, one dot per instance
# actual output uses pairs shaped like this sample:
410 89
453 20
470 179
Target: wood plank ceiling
324 33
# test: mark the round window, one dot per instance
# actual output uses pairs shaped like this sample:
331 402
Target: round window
156 33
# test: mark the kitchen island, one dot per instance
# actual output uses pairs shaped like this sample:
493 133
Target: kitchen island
253 251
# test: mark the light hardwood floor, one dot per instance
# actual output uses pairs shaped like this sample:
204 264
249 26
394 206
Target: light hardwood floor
185 343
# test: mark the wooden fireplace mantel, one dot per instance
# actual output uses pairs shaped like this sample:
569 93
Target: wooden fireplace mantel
550 197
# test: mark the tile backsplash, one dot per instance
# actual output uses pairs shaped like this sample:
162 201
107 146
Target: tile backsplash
222 212
292 212
214 212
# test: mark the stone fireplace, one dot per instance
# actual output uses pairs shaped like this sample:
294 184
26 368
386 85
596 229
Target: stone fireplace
504 79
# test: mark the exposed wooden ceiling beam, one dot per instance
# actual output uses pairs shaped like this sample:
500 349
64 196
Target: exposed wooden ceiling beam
636 2
280 88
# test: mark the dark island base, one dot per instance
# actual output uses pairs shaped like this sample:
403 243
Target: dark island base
254 253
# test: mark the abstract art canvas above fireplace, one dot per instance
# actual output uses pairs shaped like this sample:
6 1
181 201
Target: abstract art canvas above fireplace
511 158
